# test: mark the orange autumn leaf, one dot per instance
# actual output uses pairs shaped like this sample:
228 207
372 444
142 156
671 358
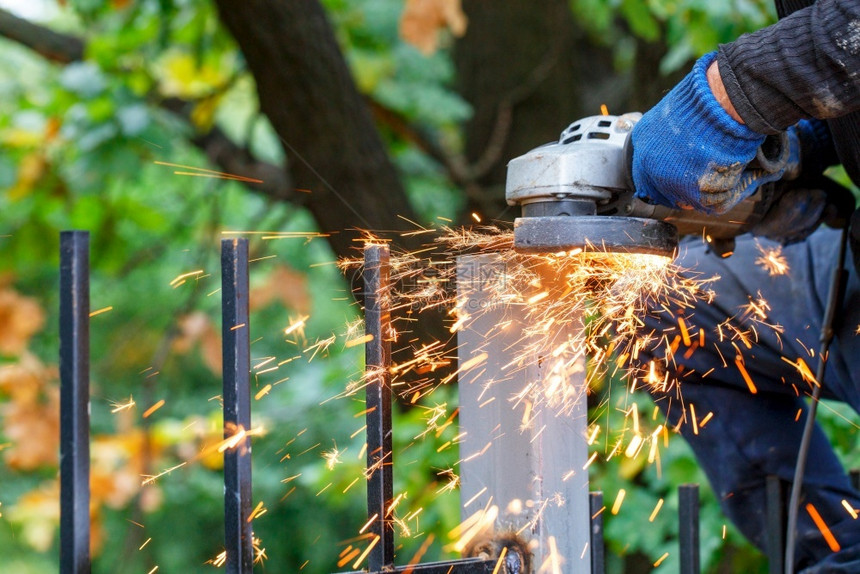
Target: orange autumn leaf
422 20
116 468
197 329
31 419
33 428
24 381
285 285
20 318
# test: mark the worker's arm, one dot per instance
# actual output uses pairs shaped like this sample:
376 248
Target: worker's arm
807 65
695 147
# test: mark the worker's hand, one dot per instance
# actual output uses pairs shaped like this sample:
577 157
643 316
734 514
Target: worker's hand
811 199
688 152
795 214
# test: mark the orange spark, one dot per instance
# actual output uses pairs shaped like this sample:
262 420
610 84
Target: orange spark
203 172
772 260
151 479
346 559
616 506
100 311
153 408
180 279
262 392
298 324
500 560
259 510
366 552
823 528
359 341
740 365
656 510
693 418
117 407
684 333
850 509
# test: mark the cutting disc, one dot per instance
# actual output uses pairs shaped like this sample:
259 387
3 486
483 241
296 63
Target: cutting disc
595 233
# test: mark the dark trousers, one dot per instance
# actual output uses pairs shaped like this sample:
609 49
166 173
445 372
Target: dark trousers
755 434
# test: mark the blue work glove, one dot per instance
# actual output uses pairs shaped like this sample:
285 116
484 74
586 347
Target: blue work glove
688 152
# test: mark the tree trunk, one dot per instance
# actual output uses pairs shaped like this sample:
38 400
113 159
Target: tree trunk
528 70
306 90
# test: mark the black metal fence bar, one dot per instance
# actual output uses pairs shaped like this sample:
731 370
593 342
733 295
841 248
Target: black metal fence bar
238 537
377 319
595 508
74 402
855 478
688 527
775 496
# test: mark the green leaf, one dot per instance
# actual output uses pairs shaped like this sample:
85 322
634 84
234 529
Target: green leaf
640 19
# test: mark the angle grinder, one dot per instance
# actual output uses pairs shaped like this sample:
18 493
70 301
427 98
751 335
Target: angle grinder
578 193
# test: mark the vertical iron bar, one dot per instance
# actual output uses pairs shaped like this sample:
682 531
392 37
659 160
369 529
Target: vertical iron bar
74 402
238 537
377 320
688 526
855 478
595 506
775 524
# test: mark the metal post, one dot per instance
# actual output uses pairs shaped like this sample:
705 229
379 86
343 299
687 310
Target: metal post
775 524
380 489
688 526
238 537
527 460
74 402
598 559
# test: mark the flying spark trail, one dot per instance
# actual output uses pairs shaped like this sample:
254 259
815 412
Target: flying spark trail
586 316
616 506
332 457
823 528
599 298
100 311
148 412
772 260
202 172
180 279
656 510
118 406
150 479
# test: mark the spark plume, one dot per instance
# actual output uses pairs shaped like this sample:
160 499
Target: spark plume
772 260
574 305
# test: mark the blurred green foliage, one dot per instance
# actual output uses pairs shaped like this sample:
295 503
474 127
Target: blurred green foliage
81 144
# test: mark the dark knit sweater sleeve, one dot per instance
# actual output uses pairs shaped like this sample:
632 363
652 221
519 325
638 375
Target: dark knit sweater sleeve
807 65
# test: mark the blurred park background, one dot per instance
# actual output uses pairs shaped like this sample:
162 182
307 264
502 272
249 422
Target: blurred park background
159 125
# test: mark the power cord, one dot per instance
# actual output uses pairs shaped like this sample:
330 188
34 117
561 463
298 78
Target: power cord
828 325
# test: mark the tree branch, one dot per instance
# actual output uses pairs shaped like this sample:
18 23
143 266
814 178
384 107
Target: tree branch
221 150
56 47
